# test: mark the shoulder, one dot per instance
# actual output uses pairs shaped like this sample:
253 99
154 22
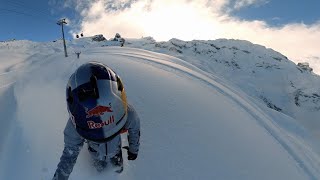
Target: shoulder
133 117
71 135
130 108
132 113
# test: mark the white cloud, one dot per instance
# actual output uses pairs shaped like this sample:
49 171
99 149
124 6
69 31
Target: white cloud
243 3
201 19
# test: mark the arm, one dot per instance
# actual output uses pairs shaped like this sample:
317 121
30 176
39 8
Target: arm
133 127
73 143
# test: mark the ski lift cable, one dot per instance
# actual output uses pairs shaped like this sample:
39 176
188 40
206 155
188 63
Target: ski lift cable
26 7
26 14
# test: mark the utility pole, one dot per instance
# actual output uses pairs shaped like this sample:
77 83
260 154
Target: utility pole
61 23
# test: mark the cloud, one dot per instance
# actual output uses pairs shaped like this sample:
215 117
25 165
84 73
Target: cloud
196 19
244 3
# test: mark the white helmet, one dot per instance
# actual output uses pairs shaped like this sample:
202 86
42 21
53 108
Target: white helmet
96 101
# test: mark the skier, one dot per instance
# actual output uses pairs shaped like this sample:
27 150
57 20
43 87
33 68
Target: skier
98 112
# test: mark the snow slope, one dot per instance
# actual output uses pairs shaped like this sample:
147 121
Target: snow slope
194 125
263 74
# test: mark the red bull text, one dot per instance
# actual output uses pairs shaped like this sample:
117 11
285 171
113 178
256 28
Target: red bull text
94 125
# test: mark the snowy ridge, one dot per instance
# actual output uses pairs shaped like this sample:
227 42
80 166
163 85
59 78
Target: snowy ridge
264 74
196 123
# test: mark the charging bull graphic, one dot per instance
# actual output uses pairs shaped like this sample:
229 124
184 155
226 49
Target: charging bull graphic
98 110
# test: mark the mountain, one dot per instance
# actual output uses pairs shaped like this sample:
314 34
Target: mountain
263 74
200 117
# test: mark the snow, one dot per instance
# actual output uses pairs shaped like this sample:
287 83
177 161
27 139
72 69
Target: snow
196 122
263 74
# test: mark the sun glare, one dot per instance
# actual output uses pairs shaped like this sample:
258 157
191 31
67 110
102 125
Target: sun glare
179 21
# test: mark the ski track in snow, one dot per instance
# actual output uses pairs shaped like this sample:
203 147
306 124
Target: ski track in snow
24 143
252 109
11 74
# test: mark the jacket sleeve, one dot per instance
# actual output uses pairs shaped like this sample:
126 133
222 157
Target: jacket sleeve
133 127
73 143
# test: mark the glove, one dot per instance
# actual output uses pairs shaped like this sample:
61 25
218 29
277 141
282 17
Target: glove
131 156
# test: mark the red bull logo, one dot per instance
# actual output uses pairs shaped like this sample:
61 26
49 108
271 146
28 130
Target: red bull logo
94 125
98 111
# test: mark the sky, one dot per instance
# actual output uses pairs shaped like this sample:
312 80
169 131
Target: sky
291 27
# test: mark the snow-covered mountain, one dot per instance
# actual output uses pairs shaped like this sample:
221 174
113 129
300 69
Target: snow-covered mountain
222 109
262 73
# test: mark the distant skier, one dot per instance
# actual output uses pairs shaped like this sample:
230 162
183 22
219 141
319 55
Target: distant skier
98 112
122 41
78 54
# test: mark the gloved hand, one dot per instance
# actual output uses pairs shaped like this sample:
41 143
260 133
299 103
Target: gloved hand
131 156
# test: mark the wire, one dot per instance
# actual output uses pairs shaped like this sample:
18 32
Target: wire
19 7
24 9
14 11
24 5
26 14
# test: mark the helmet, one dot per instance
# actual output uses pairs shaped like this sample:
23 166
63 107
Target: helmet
96 101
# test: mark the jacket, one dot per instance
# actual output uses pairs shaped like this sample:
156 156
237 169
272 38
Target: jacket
73 143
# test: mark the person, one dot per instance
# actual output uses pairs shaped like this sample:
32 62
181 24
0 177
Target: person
122 41
98 112
78 54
